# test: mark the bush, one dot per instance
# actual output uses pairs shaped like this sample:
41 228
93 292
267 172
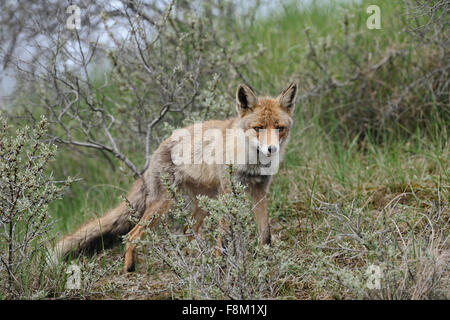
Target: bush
26 190
123 96
396 253
238 268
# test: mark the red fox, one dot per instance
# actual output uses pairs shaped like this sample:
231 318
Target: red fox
207 149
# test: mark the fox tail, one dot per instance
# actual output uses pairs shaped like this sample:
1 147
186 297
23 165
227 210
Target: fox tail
102 232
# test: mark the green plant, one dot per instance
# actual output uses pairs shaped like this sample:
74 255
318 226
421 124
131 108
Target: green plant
237 268
26 190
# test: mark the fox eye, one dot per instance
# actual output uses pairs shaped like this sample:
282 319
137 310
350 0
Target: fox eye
257 129
281 128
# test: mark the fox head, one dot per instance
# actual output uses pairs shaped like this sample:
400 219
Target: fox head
266 121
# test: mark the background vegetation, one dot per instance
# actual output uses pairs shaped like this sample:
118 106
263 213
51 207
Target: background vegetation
365 182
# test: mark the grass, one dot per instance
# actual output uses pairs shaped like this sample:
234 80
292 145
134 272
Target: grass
324 180
98 188
283 34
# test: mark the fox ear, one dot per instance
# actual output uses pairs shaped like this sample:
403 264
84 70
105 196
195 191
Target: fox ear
245 99
288 96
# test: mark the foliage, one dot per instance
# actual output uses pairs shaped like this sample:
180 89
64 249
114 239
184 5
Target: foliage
235 268
26 190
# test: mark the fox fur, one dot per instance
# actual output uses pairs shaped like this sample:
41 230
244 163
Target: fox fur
255 115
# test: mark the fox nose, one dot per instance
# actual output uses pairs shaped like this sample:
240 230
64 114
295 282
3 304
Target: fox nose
272 149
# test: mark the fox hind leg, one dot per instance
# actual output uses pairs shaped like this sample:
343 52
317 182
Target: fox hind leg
198 215
150 217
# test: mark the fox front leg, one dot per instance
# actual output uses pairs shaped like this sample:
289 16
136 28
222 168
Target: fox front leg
261 216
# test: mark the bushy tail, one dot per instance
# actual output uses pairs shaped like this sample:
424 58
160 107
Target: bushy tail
104 231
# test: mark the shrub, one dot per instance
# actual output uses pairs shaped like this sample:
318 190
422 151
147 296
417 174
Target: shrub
26 190
398 253
242 269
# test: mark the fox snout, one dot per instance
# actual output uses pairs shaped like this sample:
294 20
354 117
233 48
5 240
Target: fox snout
268 150
268 142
